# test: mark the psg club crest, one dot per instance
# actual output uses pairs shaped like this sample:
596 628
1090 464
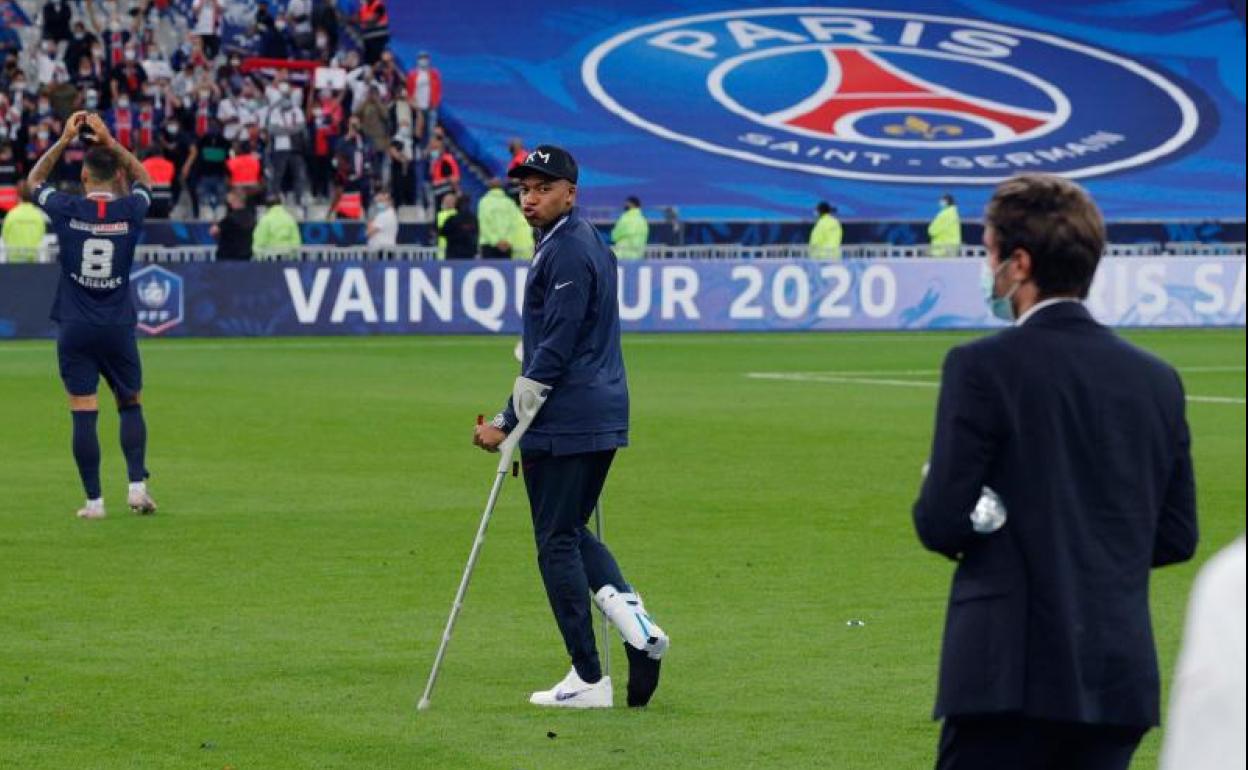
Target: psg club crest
889 96
158 298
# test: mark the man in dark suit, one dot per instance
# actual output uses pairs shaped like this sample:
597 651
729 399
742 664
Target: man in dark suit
1048 658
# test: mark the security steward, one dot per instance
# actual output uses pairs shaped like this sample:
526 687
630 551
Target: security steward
572 344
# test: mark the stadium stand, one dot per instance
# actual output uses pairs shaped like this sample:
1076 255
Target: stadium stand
223 89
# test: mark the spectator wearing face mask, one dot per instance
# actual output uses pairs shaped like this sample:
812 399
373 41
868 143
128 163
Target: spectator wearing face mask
79 47
281 88
8 72
264 18
252 108
235 231
207 158
324 135
99 58
46 61
129 78
387 73
299 14
116 38
122 121
231 76
402 169
287 131
86 79
351 174
208 16
55 20
443 170
229 112
424 92
325 25
374 118
198 57
374 28
175 148
202 110
17 84
276 41
148 121
383 229
41 140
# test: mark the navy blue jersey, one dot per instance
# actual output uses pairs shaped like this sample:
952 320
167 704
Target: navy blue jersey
97 236
572 343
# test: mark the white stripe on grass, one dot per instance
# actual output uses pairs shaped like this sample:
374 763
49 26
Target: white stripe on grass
837 379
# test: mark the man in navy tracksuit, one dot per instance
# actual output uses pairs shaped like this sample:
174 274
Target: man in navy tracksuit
572 345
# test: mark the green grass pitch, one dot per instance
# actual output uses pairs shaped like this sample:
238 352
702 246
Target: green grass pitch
319 497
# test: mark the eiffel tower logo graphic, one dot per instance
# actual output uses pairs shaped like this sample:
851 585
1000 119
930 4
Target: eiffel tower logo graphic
861 84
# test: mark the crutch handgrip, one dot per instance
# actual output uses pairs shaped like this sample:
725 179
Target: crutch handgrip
527 397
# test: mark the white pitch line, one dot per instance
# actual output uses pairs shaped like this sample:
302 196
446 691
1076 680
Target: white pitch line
809 377
835 380
915 372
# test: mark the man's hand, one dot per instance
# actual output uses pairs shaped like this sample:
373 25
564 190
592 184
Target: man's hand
73 126
488 437
98 127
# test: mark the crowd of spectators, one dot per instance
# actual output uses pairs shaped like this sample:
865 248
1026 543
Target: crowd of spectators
305 114
293 109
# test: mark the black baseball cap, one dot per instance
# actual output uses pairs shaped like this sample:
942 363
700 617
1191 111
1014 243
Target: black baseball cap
548 160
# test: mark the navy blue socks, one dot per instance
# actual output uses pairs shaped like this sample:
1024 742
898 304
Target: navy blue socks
133 441
87 452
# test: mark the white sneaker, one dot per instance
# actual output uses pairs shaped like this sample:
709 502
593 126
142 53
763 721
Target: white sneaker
572 693
628 615
140 501
92 509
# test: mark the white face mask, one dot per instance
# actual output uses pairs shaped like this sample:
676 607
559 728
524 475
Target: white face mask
123 104
1000 307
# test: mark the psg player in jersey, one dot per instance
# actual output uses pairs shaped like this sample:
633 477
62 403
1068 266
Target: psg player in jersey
94 311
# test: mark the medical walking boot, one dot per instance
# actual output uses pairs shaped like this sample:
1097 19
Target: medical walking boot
644 642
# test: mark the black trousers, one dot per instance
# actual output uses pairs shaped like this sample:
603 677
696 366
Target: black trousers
562 493
995 742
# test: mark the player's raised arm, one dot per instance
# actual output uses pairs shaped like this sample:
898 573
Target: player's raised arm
43 168
134 169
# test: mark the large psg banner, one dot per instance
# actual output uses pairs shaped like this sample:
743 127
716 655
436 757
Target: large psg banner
757 109
262 299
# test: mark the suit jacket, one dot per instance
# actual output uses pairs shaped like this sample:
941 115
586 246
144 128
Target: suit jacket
1084 437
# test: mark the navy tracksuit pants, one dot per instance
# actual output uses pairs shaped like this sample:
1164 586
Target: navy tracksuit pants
562 492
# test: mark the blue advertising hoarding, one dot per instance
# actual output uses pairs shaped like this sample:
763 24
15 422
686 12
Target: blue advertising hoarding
483 297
